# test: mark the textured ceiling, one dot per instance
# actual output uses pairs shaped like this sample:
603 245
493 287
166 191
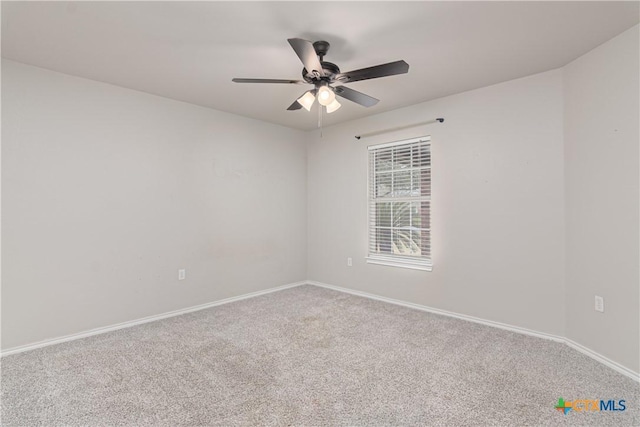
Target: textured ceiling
190 51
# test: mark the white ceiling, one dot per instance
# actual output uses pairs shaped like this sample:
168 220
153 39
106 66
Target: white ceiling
190 51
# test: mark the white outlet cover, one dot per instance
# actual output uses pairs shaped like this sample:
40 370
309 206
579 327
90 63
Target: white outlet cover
182 274
349 262
599 304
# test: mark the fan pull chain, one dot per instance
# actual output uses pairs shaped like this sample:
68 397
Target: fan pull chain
320 119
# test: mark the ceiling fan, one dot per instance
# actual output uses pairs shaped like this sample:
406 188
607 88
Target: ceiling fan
322 75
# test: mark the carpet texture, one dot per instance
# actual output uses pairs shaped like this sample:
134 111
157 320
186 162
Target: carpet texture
309 356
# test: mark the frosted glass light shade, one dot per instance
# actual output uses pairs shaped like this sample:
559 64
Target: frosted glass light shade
306 100
325 96
333 106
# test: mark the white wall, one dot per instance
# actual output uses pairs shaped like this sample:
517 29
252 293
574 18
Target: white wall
498 200
107 192
602 210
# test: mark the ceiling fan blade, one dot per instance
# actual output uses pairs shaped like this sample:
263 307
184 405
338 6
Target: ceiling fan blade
295 106
355 96
383 70
237 80
307 54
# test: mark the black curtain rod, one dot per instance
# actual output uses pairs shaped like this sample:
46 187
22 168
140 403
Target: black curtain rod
364 135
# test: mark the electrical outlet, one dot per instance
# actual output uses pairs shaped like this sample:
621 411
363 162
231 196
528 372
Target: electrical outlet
349 262
182 274
599 304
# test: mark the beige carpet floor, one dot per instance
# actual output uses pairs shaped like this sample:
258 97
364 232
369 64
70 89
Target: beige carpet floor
314 357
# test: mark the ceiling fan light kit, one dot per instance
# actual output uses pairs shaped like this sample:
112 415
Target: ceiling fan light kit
333 106
307 100
325 95
322 74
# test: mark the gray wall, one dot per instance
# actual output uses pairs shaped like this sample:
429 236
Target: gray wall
106 192
601 183
498 199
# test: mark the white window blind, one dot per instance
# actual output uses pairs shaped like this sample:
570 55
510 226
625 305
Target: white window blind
400 204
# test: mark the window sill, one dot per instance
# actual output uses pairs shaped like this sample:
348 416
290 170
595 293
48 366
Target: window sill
390 262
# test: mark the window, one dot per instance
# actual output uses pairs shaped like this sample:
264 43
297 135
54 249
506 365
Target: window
400 204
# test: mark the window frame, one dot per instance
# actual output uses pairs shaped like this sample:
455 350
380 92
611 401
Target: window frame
393 260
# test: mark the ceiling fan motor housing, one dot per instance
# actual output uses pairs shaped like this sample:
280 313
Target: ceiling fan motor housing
330 69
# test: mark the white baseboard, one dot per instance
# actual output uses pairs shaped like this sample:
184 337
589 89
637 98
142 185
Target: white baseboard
594 355
147 319
443 312
603 359
584 350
